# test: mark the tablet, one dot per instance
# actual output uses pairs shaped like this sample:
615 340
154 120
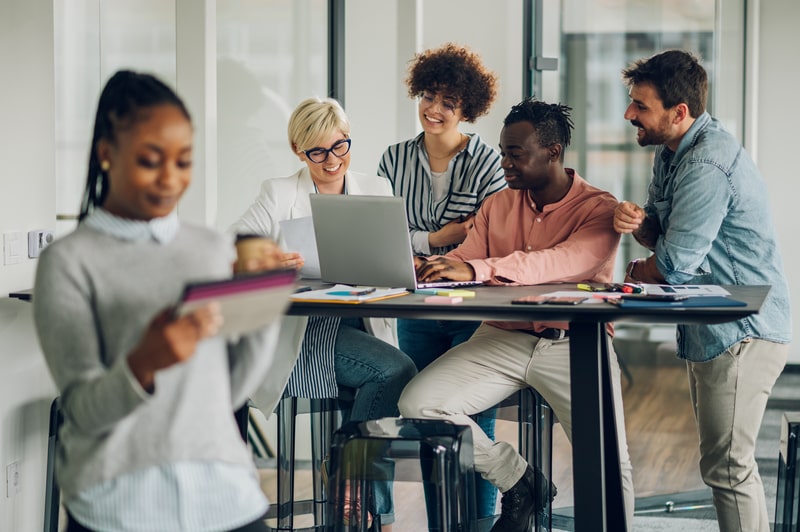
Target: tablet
247 302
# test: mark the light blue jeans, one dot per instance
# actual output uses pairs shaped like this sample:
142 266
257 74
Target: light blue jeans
378 372
425 341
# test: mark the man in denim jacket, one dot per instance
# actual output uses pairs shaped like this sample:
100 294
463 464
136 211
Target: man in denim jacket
707 220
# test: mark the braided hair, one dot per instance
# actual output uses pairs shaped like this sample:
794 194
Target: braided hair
552 121
124 97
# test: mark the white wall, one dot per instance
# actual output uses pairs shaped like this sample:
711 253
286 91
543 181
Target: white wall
778 116
27 202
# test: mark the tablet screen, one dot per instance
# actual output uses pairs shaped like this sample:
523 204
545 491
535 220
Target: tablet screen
247 301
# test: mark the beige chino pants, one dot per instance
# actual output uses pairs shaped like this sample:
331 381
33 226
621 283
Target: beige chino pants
729 394
491 366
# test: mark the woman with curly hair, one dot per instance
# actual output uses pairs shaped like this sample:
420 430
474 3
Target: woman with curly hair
444 176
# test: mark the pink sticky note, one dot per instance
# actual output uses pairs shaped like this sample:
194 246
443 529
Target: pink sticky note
443 300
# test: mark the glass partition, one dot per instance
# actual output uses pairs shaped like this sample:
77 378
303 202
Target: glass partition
271 55
593 41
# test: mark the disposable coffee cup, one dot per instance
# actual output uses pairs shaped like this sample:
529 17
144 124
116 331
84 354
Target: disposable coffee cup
251 248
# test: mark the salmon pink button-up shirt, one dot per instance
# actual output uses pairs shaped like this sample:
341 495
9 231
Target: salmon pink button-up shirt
514 242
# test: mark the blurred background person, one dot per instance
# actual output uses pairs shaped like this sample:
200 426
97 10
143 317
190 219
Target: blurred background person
149 441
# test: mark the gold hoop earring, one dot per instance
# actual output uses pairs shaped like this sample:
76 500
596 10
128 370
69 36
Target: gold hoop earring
105 165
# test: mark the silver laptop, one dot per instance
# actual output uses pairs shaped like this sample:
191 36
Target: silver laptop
363 240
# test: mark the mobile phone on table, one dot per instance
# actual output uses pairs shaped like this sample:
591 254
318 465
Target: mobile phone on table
530 300
566 300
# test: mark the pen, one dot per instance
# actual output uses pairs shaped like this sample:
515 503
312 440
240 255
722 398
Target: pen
301 289
626 288
351 292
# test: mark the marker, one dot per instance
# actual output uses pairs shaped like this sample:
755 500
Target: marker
635 288
351 292
586 287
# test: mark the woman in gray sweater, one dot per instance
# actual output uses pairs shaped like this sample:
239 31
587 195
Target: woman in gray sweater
149 440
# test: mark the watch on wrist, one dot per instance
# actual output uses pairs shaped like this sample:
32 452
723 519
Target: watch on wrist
631 267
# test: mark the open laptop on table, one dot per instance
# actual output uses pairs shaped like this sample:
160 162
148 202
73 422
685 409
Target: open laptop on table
363 240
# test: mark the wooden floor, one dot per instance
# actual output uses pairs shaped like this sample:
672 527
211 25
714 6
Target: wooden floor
662 441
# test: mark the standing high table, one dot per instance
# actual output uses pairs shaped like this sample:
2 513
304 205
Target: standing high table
595 453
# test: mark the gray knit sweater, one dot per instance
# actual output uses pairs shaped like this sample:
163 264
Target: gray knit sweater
94 297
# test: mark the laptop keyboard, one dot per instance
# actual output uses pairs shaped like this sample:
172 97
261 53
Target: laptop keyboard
448 284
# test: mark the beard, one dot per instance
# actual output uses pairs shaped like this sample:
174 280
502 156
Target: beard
653 136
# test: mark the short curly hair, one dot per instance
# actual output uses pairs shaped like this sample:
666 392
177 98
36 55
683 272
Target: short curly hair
456 71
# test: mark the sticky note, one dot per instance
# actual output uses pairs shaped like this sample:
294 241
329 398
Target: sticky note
427 291
456 293
444 300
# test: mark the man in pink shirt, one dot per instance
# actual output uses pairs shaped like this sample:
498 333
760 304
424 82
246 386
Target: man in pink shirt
548 226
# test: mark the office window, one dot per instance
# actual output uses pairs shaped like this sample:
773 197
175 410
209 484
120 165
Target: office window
271 54
593 41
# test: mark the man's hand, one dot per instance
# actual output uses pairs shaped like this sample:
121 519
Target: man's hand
628 217
441 268
452 233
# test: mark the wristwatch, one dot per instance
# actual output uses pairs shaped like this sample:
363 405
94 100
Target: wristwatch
632 266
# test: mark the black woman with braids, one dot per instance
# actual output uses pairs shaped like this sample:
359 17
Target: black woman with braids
149 440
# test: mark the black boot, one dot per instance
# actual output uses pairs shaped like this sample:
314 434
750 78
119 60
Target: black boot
525 498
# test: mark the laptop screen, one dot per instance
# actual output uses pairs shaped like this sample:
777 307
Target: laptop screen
363 240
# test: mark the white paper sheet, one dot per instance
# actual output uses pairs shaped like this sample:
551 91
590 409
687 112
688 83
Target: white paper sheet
298 235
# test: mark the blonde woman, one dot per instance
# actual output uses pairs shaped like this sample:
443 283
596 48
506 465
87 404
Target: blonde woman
352 352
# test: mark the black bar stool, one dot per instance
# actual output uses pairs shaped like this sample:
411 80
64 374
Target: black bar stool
52 497
787 500
534 442
379 450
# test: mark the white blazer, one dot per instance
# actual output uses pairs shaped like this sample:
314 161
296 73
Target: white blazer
286 198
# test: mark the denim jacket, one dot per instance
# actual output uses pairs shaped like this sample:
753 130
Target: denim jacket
716 228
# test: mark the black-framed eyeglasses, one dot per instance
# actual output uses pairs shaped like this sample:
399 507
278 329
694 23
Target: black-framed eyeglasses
320 155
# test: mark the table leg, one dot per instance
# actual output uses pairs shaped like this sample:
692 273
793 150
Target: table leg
596 473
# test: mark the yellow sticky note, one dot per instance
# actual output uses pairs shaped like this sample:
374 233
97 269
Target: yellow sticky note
456 293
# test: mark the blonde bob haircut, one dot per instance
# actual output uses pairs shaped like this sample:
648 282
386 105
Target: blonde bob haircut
316 119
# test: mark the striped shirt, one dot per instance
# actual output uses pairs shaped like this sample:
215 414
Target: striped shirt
474 174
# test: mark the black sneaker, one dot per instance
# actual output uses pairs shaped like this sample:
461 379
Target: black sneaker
527 497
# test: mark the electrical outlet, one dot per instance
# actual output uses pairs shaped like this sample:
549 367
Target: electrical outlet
38 240
12 248
12 479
